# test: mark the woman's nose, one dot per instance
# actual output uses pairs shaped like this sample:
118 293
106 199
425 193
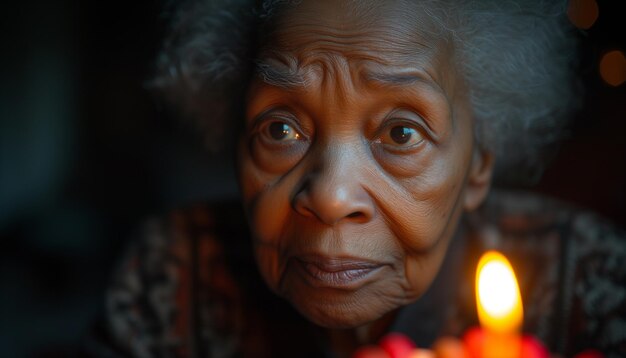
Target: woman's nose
334 192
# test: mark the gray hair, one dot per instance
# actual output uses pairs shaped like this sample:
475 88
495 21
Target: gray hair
518 58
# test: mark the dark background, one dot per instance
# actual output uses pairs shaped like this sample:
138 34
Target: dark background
86 152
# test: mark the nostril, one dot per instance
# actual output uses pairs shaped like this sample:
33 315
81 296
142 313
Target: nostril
356 214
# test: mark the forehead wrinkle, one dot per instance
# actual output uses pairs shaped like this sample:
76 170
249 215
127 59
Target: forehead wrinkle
387 40
341 72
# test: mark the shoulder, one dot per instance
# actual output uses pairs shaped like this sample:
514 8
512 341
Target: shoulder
596 262
571 264
188 286
175 277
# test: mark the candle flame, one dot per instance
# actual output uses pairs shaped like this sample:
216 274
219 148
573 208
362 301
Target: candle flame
498 297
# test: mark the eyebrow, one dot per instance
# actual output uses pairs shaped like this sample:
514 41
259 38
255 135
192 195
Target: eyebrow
284 77
400 79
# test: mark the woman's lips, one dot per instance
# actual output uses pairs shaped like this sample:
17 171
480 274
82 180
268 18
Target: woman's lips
329 272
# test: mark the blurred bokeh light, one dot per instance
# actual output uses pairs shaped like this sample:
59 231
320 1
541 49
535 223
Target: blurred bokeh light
613 67
582 13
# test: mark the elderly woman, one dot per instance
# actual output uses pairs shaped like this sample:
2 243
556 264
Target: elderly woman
367 134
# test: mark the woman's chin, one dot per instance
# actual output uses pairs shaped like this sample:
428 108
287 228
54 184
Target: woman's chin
338 319
347 306
341 314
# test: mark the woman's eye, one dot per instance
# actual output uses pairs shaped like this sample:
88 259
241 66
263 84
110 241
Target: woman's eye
281 131
401 136
277 143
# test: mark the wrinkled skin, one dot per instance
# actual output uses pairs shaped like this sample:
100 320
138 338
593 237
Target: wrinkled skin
357 159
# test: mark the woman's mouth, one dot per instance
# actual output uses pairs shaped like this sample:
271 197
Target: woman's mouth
331 272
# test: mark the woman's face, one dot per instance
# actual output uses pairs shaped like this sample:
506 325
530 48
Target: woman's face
356 161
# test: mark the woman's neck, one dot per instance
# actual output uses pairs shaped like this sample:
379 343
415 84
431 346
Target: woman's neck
343 342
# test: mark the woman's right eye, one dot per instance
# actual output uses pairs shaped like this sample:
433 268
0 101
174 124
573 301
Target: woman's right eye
278 143
280 131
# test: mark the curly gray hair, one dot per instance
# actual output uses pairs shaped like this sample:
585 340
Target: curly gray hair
517 57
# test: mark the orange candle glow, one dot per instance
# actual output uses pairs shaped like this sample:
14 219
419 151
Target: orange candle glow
499 305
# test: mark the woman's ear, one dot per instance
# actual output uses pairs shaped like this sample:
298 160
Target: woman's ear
479 179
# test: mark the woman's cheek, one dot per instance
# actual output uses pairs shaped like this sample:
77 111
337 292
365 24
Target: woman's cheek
411 212
421 270
417 193
269 264
267 211
251 181
267 205
441 208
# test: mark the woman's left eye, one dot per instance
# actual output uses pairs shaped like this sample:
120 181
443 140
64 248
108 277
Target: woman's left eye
401 136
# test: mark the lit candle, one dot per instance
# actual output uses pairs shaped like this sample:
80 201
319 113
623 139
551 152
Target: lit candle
500 311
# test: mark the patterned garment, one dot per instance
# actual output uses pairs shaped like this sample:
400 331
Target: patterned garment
188 286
